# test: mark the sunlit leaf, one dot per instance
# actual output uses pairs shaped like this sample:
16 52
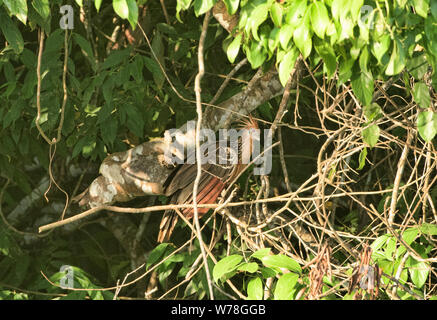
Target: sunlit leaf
226 265
11 32
362 85
421 7
121 8
180 6
17 8
276 13
202 6
421 94
133 13
286 286
397 60
380 47
296 12
302 39
362 158
427 125
261 253
281 261
285 34
97 4
370 135
255 289
234 48
319 18
250 267
418 271
429 229
327 53
231 5
287 65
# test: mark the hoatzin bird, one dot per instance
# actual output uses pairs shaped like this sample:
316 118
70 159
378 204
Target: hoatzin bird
214 178
138 172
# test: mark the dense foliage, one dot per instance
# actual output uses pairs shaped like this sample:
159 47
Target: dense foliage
361 128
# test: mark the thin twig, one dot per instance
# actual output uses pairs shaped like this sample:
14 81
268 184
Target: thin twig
38 88
197 90
399 173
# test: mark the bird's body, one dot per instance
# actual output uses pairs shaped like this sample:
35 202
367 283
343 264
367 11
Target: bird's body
215 176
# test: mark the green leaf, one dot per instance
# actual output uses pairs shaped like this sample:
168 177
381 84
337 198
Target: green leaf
255 289
421 7
134 122
226 265
427 125
136 69
362 158
287 65
397 60
285 34
338 7
355 9
286 286
181 5
364 59
372 112
86 145
390 248
328 55
231 5
370 135
121 8
379 242
156 254
256 54
156 71
302 39
257 16
363 87
250 267
418 271
345 70
261 253
429 229
133 13
268 272
319 18
115 58
409 235
87 51
421 95
434 9
273 39
234 48
13 114
202 6
17 8
97 4
276 13
296 12
281 261
11 32
42 7
109 130
418 66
